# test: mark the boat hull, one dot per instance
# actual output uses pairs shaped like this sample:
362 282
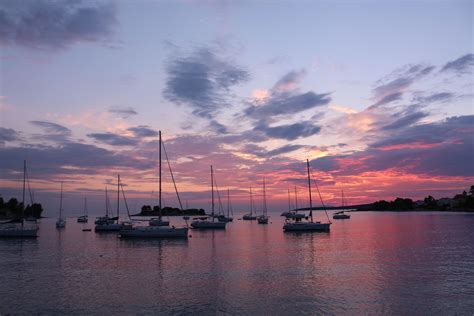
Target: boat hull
154 232
82 219
108 227
208 225
225 219
158 222
249 217
18 232
300 227
262 220
60 223
341 216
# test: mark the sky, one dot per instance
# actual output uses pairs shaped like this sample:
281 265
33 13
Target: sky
377 95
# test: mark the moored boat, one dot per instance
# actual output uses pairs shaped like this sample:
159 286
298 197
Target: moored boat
61 222
263 219
250 216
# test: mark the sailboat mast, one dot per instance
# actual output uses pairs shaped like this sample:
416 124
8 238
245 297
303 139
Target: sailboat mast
296 200
212 192
251 202
228 202
106 203
309 190
118 195
61 202
159 175
289 205
23 199
264 199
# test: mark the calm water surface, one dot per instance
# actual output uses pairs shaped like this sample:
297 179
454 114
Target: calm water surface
374 263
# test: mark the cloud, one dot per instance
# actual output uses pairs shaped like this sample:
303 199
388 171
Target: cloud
391 87
52 131
461 65
7 135
290 131
113 139
143 131
284 104
54 24
202 81
261 152
70 157
407 119
289 81
123 112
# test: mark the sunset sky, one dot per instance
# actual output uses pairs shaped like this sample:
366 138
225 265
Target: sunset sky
377 95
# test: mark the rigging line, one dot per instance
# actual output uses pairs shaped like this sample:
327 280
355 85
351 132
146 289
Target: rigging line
172 176
126 204
320 197
29 189
221 208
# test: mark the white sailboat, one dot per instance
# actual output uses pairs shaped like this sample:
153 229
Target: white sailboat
206 223
228 218
309 225
341 214
250 216
84 218
19 228
128 230
263 219
293 214
61 222
107 224
159 220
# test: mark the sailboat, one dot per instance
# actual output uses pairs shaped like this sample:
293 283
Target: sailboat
263 219
309 225
106 224
84 218
17 227
61 222
341 214
228 218
206 223
250 216
128 230
159 221
293 214
106 218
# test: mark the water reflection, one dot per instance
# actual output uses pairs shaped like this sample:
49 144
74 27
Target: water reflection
379 262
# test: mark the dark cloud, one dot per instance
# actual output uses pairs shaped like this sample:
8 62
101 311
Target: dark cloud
7 135
261 152
143 131
123 112
438 132
218 127
389 98
52 131
48 161
287 103
113 139
202 81
52 128
289 80
436 97
406 119
392 87
54 24
290 131
461 65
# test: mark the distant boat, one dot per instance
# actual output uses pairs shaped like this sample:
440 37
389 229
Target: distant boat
106 224
311 225
228 218
61 222
158 228
341 214
263 219
293 214
17 228
250 216
84 218
205 223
